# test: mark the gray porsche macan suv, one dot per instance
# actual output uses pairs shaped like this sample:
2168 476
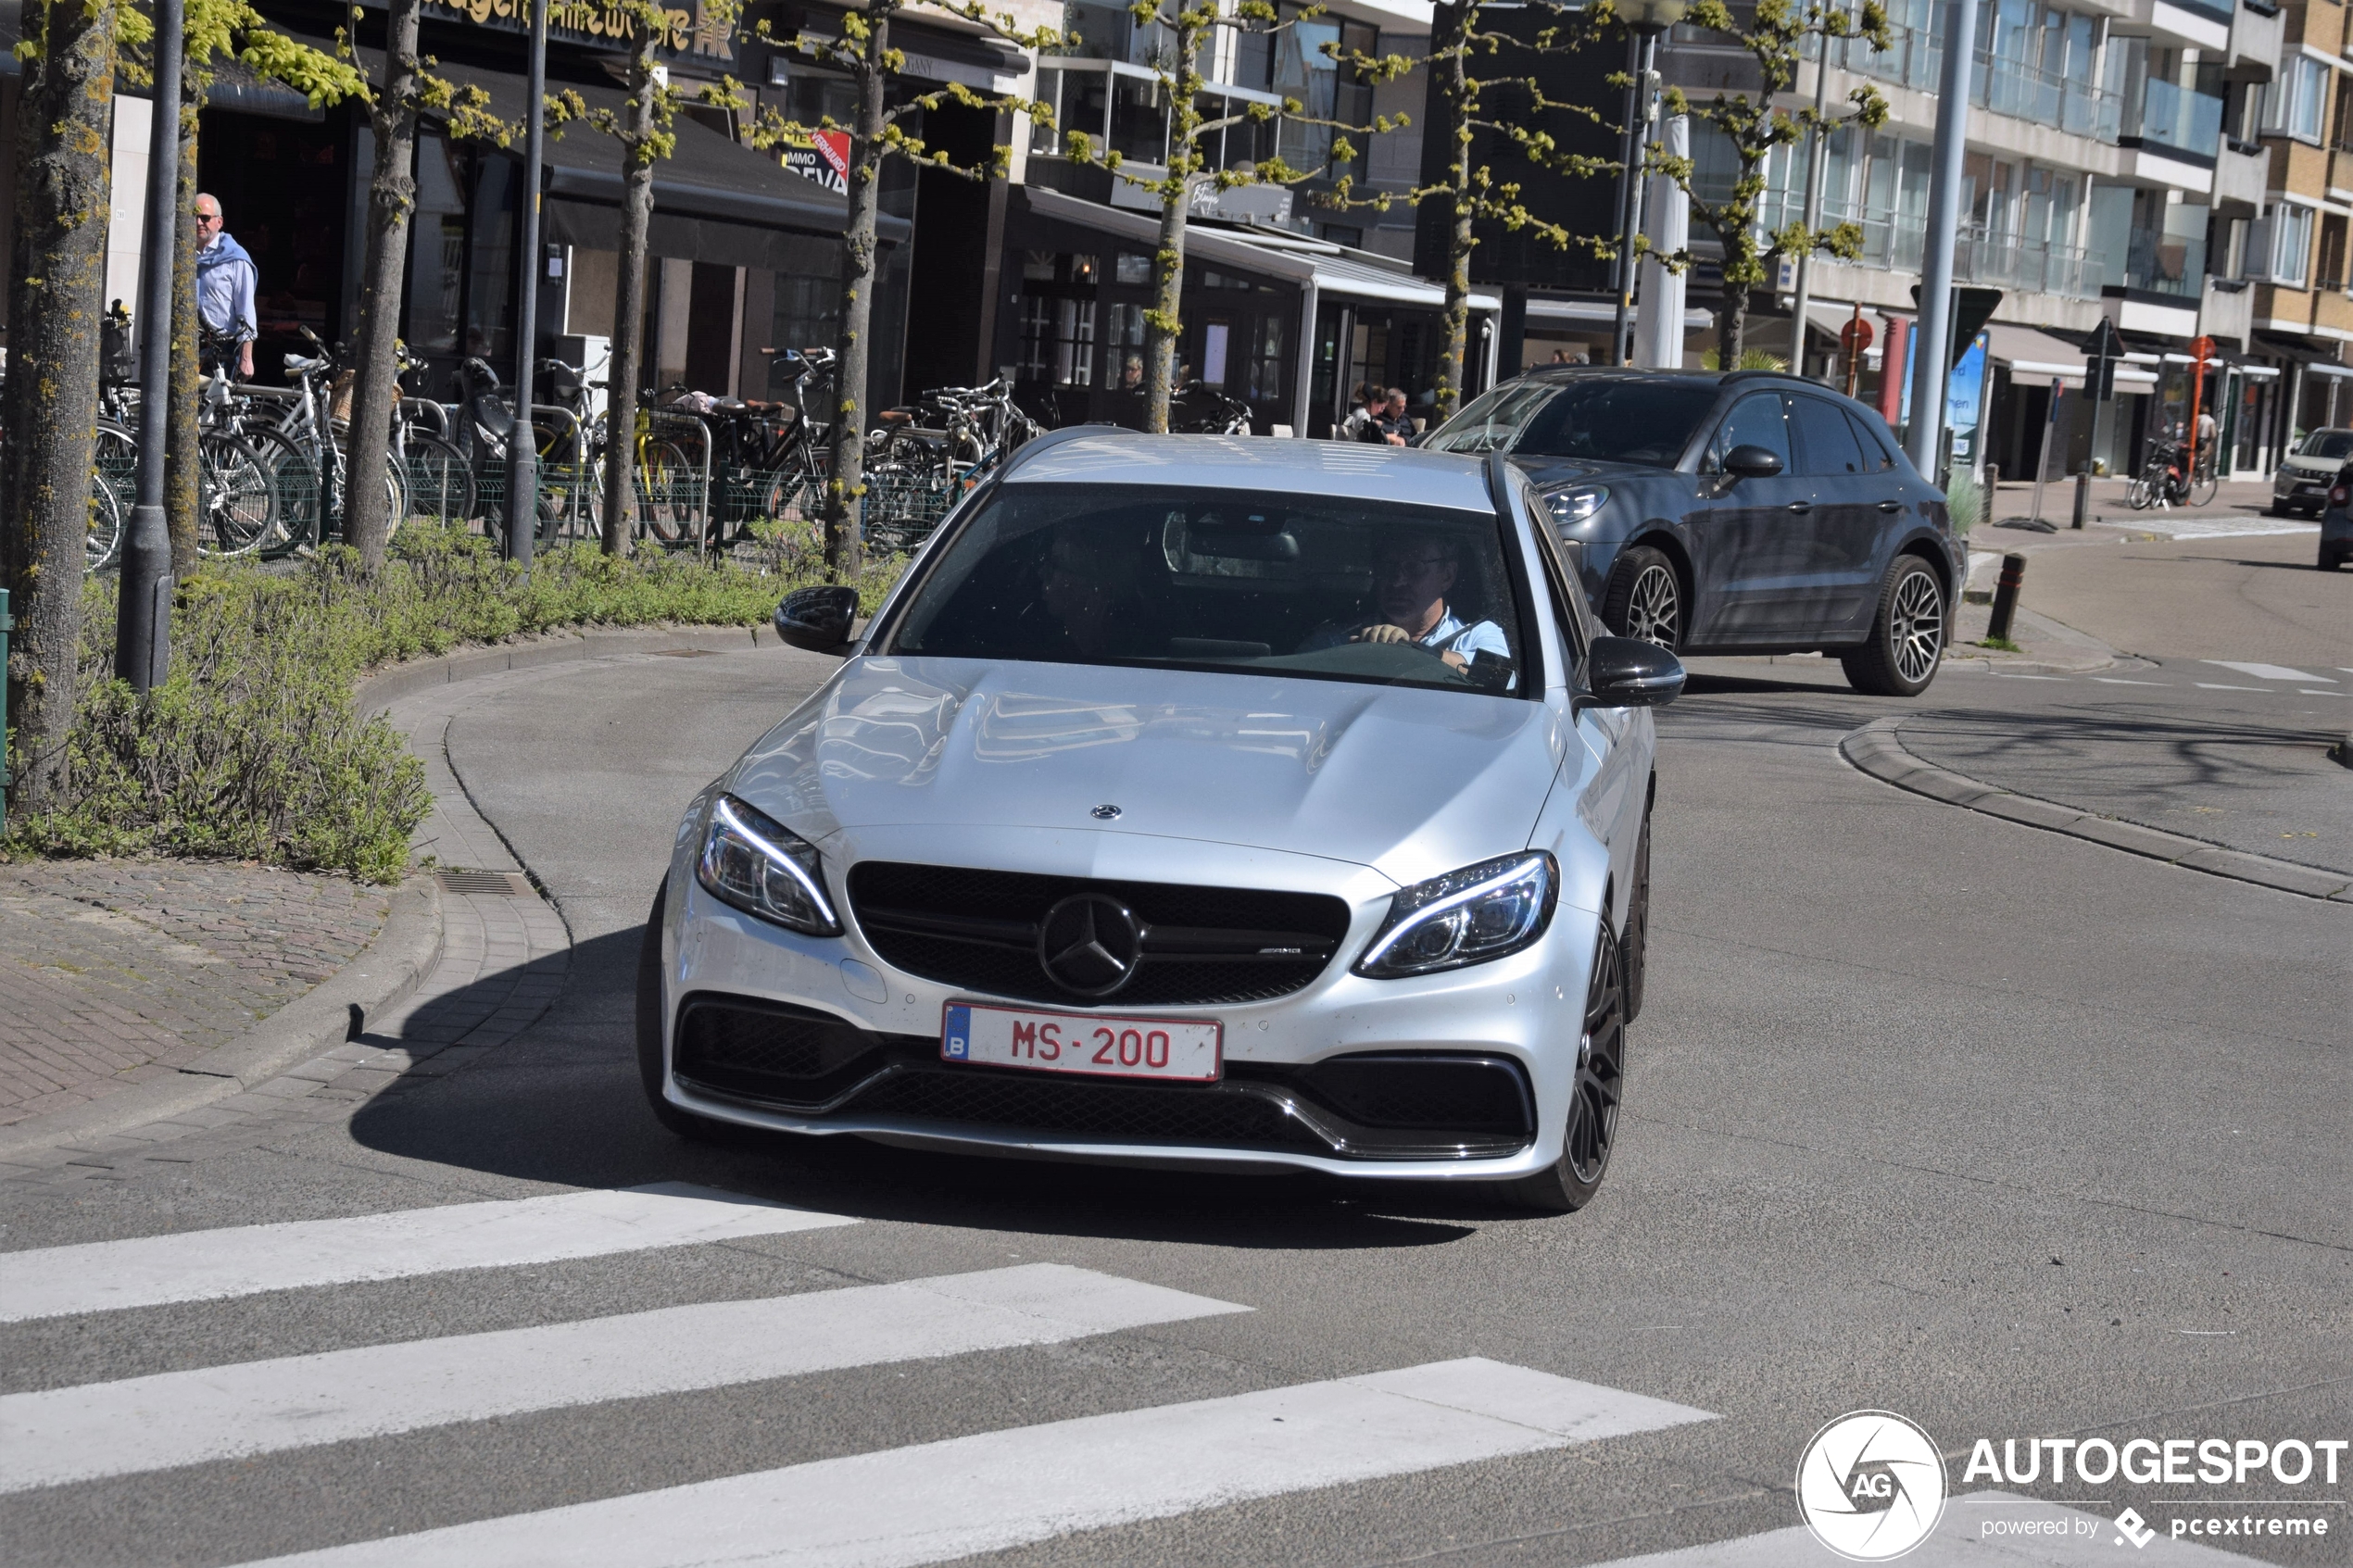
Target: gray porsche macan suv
1749 512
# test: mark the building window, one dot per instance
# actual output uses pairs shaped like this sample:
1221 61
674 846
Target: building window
2291 243
2299 102
1058 341
2332 260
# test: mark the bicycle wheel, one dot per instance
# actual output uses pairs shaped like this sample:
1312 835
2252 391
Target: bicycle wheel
663 480
2142 493
114 489
2203 487
295 490
441 484
237 500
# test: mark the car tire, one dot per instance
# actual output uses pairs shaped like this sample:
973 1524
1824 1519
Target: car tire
1570 1182
1635 944
650 1066
1646 599
1907 633
2331 557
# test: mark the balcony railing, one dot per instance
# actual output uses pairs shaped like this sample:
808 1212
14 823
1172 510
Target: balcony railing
2173 116
2161 264
1998 258
1916 58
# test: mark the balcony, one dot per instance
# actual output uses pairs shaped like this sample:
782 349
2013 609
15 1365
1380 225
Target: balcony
1998 84
2167 117
2256 32
2165 264
2242 174
2227 310
1999 258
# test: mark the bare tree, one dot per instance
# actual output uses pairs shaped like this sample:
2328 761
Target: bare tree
57 281
1473 106
1774 34
1186 27
878 130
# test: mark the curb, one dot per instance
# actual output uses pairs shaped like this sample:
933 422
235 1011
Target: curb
386 686
1875 749
337 1009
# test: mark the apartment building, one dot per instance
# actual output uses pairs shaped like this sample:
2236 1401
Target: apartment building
2113 170
2295 259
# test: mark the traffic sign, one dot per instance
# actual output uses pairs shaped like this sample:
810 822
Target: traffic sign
1855 336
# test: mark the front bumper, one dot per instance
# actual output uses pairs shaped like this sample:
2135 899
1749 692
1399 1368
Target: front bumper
877 1071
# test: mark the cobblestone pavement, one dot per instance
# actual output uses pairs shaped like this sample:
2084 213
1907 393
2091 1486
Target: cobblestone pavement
504 956
116 971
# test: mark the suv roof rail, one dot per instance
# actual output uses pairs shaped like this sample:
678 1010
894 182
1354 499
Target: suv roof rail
1038 444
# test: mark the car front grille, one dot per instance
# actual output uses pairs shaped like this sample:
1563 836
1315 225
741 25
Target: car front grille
978 930
771 1051
1036 1103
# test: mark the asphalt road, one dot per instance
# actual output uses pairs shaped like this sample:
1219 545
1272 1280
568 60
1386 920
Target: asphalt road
2012 1134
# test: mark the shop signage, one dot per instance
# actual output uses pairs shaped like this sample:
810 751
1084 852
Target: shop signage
825 158
693 28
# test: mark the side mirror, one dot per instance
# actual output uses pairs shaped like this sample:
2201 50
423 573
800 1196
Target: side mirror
1752 462
818 618
1629 672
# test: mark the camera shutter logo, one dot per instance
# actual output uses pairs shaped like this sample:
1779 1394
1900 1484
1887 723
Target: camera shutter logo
1871 1485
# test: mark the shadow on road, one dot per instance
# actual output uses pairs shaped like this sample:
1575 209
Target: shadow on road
563 1104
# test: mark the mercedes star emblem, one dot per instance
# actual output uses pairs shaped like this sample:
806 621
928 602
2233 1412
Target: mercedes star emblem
1105 813
1090 944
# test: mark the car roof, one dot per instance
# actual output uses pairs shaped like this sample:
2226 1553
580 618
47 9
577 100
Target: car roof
1691 378
1334 469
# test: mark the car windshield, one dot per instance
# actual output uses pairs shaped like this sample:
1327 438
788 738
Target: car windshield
1333 590
1611 419
2328 444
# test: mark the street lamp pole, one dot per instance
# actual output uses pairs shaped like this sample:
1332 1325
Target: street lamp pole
1813 210
1932 349
143 612
523 452
1648 18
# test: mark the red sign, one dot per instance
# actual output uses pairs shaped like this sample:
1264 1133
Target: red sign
2202 348
1856 336
826 159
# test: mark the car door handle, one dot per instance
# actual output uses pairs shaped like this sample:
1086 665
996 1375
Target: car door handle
1891 506
1801 505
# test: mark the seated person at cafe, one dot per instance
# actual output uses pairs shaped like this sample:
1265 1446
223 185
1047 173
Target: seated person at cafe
1413 574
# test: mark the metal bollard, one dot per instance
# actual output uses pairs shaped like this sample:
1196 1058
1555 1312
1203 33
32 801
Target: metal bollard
2082 495
2006 596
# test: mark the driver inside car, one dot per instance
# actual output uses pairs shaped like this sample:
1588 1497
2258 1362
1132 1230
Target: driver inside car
1413 574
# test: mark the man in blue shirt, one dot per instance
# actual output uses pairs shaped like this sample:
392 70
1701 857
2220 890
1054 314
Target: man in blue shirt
1413 573
225 283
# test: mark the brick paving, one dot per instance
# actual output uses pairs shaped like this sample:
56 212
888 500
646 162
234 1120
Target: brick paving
116 971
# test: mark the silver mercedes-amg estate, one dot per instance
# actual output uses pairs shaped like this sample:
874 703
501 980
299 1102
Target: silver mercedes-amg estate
1194 800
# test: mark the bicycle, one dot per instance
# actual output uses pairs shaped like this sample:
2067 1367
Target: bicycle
1222 415
2168 479
769 460
914 471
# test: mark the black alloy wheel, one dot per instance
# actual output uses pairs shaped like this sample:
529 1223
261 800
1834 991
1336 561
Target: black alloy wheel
1570 1182
1907 633
1645 599
651 1069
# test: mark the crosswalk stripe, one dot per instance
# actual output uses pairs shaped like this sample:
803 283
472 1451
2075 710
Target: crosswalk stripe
935 1501
206 1265
2211 686
64 1435
2262 671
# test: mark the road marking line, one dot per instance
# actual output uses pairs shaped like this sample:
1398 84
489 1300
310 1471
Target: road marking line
2263 672
2210 686
241 1260
64 1435
935 1501
2119 681
2005 675
2307 691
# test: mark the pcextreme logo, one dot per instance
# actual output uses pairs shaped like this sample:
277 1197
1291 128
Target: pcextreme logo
1870 1486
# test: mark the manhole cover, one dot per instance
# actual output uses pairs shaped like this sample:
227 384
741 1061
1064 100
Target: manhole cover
686 653
497 884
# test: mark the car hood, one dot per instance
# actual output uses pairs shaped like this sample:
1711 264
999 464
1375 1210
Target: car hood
1411 783
2316 467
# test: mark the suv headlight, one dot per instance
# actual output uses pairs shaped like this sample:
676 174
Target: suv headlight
764 869
1577 503
1465 917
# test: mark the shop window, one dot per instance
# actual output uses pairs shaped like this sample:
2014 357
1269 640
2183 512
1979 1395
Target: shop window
1058 341
1132 269
1266 366
437 252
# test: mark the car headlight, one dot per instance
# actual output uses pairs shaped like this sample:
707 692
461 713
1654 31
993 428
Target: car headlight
1577 503
1465 917
764 869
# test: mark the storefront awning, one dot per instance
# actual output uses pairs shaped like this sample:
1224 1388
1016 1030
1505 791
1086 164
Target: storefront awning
1297 260
1599 313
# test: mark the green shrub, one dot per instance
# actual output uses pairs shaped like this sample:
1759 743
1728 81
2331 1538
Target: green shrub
1965 501
253 750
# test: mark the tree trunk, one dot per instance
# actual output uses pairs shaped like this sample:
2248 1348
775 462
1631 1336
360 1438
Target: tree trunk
64 166
181 481
629 299
1164 321
1731 328
845 490
392 197
1449 49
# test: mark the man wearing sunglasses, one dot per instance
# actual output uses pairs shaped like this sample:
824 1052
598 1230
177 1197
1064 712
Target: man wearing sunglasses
227 323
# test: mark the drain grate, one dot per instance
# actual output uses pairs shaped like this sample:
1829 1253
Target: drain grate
686 653
497 884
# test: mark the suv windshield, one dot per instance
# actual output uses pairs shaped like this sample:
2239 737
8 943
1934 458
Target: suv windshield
1612 419
1224 580
2335 444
